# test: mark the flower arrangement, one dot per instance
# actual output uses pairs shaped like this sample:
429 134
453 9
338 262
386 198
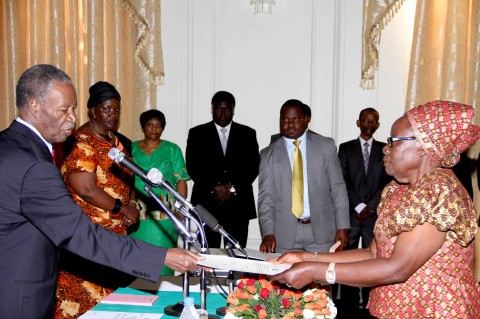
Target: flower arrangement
258 298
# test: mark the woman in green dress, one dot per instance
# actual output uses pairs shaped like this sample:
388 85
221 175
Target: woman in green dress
155 227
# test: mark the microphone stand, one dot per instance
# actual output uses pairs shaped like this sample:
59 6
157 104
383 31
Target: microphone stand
229 280
176 309
189 238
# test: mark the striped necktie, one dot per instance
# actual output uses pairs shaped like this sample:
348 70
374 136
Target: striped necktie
53 157
366 156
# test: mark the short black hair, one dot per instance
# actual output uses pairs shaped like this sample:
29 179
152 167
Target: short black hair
306 110
152 114
35 83
223 96
368 109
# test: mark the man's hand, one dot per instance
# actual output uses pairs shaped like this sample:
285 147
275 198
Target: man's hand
342 236
222 193
182 260
365 213
268 244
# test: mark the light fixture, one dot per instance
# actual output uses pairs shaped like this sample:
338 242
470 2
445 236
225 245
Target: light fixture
262 6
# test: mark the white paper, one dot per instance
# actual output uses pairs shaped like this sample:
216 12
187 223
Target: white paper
252 253
118 315
245 265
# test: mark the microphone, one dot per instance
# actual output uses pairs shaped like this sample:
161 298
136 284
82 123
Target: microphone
120 158
212 222
155 177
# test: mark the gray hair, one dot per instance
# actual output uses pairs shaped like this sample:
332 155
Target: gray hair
35 83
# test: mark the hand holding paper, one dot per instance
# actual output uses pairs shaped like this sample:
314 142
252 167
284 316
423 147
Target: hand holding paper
243 265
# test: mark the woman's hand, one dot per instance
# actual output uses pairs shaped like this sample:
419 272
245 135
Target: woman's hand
300 274
129 214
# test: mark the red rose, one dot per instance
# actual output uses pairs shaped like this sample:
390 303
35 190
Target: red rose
250 282
286 303
241 285
258 308
264 293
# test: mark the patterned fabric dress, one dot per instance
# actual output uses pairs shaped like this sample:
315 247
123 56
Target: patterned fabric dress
76 295
155 227
444 287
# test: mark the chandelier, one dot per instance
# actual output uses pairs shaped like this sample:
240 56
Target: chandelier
262 6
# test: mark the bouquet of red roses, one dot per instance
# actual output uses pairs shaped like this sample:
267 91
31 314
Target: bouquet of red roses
258 298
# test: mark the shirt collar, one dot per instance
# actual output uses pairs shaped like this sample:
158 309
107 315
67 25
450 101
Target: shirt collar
302 138
35 131
219 127
362 141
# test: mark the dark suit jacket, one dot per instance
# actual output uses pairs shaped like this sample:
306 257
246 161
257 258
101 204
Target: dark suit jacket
207 166
361 187
37 216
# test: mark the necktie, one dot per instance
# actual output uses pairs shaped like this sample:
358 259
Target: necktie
366 156
223 140
53 157
297 181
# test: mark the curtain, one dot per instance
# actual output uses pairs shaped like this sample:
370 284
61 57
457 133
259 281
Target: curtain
445 63
103 40
376 15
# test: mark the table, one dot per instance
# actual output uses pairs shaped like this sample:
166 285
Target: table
169 288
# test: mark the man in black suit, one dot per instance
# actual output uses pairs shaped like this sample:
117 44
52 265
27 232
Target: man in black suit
364 174
222 159
38 214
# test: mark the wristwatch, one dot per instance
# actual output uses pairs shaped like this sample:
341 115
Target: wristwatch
330 275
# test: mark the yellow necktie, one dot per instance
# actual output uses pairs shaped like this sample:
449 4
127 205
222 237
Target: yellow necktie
297 181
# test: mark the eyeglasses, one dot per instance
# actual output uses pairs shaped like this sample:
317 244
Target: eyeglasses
391 140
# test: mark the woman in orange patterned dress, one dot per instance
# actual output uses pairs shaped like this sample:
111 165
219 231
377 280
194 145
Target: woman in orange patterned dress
421 260
104 191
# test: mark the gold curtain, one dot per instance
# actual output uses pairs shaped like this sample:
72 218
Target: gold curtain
376 15
103 40
445 62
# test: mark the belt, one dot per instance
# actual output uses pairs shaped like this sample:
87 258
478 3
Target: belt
304 220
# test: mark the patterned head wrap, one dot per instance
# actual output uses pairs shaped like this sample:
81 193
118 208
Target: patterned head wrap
444 129
102 91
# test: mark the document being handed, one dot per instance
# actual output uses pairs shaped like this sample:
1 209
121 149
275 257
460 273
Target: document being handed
243 265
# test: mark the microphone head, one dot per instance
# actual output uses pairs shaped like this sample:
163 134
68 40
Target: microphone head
208 218
154 175
115 154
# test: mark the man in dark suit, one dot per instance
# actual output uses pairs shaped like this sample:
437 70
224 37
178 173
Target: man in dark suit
323 218
37 212
222 160
364 174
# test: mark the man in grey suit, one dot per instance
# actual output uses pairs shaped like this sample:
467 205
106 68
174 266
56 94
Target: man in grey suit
324 214
38 214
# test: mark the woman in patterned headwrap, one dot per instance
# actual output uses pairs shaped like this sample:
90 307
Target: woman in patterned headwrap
421 260
104 191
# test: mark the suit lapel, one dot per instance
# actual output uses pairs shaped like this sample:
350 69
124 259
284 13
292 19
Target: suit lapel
214 138
41 147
